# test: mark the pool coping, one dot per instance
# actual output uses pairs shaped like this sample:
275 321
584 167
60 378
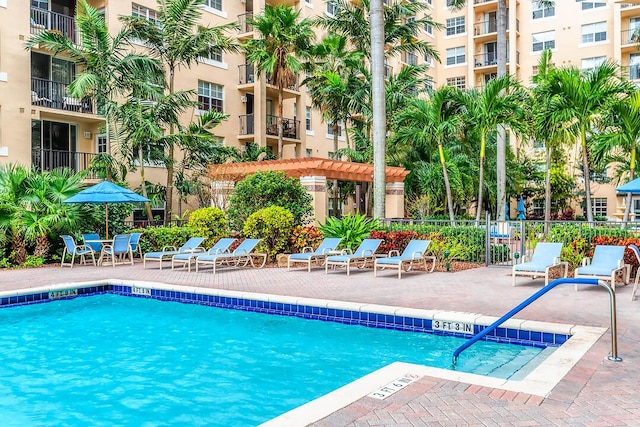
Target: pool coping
540 381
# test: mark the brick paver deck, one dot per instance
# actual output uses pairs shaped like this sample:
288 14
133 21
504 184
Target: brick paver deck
596 392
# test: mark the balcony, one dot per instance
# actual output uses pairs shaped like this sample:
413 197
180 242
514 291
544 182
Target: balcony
43 159
42 19
246 74
490 27
490 59
629 39
246 125
290 127
50 94
243 23
293 86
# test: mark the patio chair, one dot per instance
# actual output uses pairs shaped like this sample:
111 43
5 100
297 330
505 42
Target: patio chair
92 240
546 256
221 247
118 251
365 253
413 255
70 248
167 252
240 257
135 243
607 261
502 232
308 255
636 252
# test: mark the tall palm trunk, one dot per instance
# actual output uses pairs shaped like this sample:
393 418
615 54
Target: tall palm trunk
483 144
376 18
335 181
147 205
586 174
632 170
547 189
501 175
169 190
447 186
280 113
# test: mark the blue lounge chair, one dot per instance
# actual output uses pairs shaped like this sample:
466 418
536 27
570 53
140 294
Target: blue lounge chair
546 256
118 251
240 257
365 253
636 252
413 255
221 247
168 252
70 248
135 243
607 261
308 255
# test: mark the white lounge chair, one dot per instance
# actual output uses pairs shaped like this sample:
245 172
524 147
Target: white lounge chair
413 255
240 257
606 263
546 256
365 253
308 255
221 247
167 252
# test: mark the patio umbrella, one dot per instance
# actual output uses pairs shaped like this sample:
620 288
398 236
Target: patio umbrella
521 209
106 192
632 187
506 210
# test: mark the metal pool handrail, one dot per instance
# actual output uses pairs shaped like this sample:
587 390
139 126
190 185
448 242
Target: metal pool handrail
573 281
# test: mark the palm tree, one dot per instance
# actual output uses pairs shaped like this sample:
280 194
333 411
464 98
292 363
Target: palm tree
580 99
178 39
284 41
500 102
620 139
432 122
109 68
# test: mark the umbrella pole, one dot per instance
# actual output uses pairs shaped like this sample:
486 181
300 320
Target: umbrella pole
106 214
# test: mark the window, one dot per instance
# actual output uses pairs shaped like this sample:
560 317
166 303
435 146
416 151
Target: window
455 55
599 206
330 129
210 96
145 12
307 115
450 3
538 208
489 76
214 55
542 11
542 41
332 9
411 58
428 28
214 4
586 5
455 25
634 66
596 32
459 82
591 63
101 143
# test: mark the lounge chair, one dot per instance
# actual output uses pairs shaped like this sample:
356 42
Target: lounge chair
413 255
240 257
636 252
607 261
222 246
168 252
546 256
308 255
70 248
135 243
365 253
118 251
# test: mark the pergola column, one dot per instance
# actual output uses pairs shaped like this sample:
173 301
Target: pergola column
316 186
394 200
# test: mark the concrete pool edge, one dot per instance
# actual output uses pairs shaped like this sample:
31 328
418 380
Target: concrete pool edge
539 382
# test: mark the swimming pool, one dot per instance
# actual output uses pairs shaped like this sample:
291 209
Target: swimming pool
139 382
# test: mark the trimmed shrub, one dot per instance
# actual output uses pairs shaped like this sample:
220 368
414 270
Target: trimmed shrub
273 225
155 238
209 223
352 228
303 236
264 189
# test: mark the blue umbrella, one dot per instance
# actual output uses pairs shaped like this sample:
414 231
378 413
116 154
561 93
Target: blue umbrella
506 210
632 187
521 209
106 192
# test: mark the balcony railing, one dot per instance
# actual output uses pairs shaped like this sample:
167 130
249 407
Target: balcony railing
290 127
292 86
490 26
42 19
43 159
490 59
246 74
481 1
243 22
246 125
47 93
630 36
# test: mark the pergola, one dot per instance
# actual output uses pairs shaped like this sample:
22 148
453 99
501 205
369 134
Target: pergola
313 173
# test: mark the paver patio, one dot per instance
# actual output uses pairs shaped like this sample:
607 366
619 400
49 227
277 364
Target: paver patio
596 392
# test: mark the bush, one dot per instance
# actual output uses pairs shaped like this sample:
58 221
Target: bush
303 236
264 189
155 238
394 240
209 223
353 229
273 225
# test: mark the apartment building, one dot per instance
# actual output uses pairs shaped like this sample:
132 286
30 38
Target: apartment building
41 125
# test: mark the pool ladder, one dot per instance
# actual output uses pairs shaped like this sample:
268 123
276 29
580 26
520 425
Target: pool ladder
573 281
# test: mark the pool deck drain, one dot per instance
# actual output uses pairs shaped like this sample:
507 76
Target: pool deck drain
593 392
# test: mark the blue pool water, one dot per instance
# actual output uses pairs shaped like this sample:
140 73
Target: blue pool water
110 360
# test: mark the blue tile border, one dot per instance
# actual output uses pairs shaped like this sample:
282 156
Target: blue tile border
350 317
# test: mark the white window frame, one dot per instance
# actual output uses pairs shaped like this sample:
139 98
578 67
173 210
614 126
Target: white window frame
590 5
543 40
540 11
593 62
454 57
331 9
330 130
456 26
308 119
460 82
599 206
216 59
213 90
596 32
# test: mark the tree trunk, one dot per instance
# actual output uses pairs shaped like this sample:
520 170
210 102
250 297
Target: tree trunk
335 181
632 174
143 184
379 115
447 186
481 178
19 248
169 190
501 175
42 246
280 113
547 190
586 175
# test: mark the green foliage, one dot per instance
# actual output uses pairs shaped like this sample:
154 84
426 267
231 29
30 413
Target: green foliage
155 238
33 261
209 223
352 228
273 225
575 251
264 189
303 236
